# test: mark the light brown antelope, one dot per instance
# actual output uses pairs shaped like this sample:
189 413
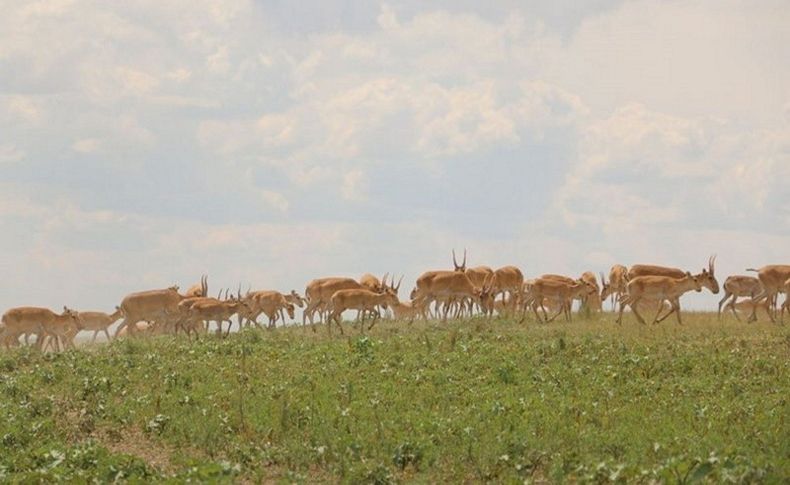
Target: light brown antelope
362 300
706 278
270 303
748 306
479 275
773 278
737 286
786 304
508 280
319 294
208 311
200 289
658 288
615 287
97 322
591 302
42 322
372 283
446 286
556 290
405 310
159 307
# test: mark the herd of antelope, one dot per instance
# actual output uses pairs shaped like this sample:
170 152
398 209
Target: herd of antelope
459 292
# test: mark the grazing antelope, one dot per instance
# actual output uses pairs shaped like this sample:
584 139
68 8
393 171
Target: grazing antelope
773 278
557 290
42 322
362 300
658 288
706 278
97 322
591 302
737 286
615 287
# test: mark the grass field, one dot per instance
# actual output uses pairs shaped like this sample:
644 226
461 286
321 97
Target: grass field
472 400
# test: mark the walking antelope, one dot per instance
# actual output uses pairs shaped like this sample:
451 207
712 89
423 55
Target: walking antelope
159 306
270 303
319 294
42 322
210 310
748 306
362 300
706 278
735 287
97 322
658 288
773 278
615 287
558 290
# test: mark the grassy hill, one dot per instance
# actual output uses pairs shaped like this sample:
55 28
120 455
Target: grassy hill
471 400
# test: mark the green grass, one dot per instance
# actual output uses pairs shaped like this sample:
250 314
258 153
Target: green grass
467 401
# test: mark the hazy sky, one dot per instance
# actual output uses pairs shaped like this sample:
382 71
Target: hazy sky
269 142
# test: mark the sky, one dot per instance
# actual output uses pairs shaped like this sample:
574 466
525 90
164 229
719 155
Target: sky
267 143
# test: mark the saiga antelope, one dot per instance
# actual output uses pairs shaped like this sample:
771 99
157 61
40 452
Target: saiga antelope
737 286
773 278
658 288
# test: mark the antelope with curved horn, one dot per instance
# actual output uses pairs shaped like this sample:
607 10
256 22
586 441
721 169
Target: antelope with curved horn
198 290
208 311
658 288
445 286
706 277
773 278
737 286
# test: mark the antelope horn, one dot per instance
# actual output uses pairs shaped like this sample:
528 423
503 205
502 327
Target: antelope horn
464 265
239 292
384 279
455 263
397 287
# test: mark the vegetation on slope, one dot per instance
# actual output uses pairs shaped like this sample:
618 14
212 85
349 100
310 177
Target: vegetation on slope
470 400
